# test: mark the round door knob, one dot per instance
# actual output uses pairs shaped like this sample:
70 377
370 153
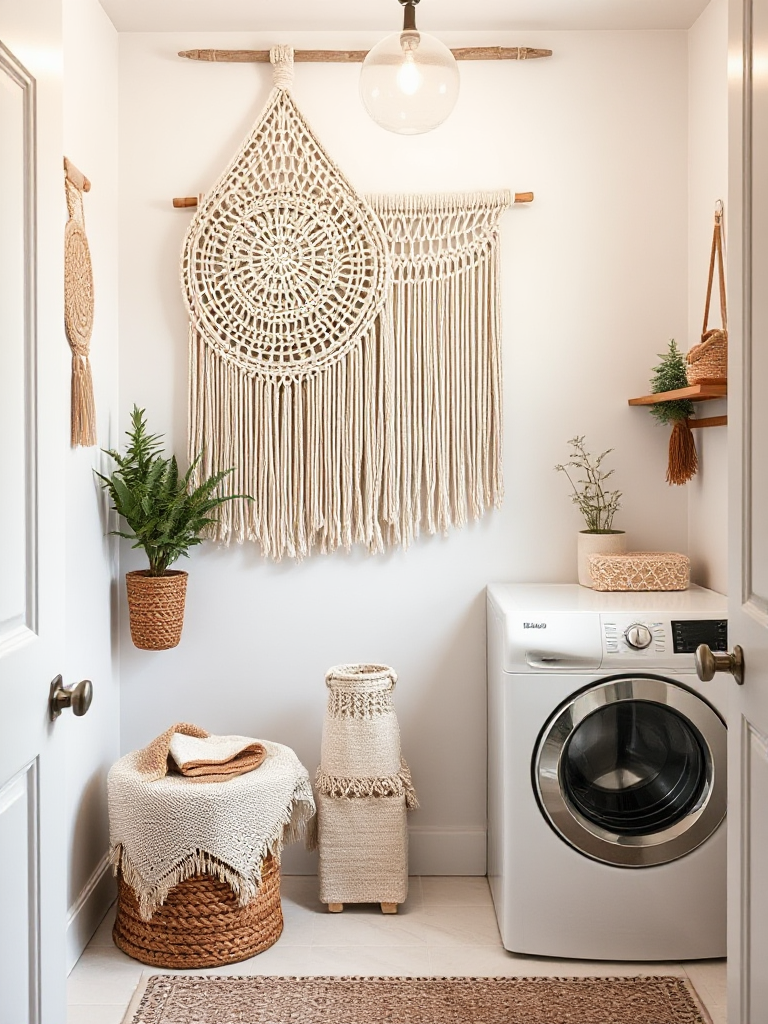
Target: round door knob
78 697
708 662
638 636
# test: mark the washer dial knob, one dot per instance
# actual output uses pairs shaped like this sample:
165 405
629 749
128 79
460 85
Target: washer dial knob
638 636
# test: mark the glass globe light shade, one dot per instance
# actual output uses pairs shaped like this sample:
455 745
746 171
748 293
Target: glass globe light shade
409 83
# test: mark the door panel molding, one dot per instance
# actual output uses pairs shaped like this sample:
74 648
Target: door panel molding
23 625
20 826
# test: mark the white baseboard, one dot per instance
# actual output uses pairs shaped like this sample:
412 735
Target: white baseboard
446 851
431 851
87 912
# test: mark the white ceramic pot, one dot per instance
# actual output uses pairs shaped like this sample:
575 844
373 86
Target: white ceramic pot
614 543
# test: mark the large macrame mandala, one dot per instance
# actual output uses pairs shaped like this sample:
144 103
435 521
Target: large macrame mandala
344 353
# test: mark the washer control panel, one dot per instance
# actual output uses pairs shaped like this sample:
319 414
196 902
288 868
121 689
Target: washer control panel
625 635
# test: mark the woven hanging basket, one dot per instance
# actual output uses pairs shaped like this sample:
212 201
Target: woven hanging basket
156 608
201 923
709 359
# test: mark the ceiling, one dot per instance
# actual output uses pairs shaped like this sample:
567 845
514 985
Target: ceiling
383 15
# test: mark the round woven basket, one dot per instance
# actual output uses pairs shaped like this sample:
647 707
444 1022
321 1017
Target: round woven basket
156 608
201 923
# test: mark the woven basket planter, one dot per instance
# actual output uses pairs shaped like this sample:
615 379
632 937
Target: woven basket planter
640 570
708 360
201 923
156 608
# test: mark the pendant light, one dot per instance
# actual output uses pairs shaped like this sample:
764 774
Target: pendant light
410 82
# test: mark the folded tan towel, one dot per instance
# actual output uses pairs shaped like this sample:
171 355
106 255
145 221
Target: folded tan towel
215 758
196 754
152 760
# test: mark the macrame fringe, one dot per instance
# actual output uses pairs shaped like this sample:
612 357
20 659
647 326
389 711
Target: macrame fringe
403 433
347 787
83 405
308 453
298 822
683 460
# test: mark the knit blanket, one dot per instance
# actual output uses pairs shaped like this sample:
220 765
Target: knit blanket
166 830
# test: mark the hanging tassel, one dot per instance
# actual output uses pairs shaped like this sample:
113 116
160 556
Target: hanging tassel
683 460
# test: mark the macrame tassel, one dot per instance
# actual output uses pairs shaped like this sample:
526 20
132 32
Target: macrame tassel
83 406
683 460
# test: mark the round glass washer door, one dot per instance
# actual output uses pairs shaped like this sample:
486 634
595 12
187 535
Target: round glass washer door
632 771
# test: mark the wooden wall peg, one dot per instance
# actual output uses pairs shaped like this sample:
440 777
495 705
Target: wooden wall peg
77 177
185 202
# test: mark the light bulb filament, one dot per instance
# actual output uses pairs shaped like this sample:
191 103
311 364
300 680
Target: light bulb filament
408 77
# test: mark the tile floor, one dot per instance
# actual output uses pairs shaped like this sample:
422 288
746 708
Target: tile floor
447 927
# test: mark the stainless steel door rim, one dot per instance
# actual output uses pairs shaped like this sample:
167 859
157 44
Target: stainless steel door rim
703 798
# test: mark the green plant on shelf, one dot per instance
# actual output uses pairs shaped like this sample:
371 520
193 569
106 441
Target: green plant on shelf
670 375
597 505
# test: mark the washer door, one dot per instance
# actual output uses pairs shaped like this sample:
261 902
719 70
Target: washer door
632 771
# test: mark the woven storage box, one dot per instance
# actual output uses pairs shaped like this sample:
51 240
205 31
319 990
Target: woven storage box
640 570
201 923
363 849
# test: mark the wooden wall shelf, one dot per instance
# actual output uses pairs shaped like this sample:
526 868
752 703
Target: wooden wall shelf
705 391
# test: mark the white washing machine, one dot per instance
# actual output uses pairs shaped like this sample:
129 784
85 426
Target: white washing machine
606 773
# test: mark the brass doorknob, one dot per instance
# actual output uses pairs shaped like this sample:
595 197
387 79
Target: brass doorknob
78 697
708 662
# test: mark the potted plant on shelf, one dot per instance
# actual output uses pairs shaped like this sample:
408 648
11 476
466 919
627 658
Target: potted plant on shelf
596 504
166 516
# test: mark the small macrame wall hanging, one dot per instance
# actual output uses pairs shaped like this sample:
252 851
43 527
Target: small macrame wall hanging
344 352
78 308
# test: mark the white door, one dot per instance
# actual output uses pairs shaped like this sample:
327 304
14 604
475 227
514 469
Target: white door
748 511
33 439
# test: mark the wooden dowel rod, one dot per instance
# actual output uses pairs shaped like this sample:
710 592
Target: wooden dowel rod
184 202
709 421
77 178
358 56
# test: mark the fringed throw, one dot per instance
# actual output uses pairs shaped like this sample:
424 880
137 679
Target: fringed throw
166 830
344 353
78 318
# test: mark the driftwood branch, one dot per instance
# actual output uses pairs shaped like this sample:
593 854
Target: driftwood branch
358 56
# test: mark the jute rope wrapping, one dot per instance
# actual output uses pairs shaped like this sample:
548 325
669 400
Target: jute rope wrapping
78 318
355 406
364 790
201 923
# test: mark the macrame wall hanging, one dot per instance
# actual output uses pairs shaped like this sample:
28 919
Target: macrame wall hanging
344 353
78 308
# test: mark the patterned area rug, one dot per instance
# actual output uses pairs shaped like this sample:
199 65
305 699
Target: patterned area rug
211 999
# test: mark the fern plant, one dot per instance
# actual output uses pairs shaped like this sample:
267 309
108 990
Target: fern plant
596 504
670 375
165 513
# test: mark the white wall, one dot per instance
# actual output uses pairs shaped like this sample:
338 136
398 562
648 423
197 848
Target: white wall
594 284
90 141
708 181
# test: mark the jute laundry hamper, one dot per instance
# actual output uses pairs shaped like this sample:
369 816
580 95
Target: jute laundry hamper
364 791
